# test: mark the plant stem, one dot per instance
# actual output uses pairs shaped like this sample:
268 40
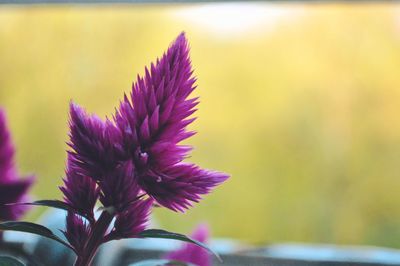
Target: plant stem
95 239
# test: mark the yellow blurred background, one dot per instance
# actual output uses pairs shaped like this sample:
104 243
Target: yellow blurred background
299 103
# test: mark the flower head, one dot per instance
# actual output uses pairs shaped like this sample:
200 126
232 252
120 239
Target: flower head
12 188
153 123
191 253
136 158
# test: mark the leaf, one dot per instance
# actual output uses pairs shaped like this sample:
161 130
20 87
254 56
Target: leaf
158 233
58 204
52 203
9 261
161 263
32 228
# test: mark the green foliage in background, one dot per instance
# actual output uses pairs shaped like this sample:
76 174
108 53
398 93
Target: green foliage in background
302 111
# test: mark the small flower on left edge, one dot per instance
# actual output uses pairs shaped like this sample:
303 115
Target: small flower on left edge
13 189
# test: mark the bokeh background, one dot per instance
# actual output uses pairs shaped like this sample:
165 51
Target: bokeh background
300 103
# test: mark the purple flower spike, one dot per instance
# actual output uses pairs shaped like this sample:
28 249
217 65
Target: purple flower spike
77 232
192 253
96 144
80 192
12 189
153 122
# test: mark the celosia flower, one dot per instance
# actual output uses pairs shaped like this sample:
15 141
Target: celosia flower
136 159
12 188
192 253
153 122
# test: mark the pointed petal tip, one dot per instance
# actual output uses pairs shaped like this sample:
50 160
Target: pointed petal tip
224 176
74 108
181 40
72 105
182 36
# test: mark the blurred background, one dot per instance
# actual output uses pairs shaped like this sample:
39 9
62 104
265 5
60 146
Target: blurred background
300 103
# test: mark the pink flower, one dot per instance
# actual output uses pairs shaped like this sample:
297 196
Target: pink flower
192 253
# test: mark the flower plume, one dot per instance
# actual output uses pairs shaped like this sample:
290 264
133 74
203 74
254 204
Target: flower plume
146 133
154 121
135 159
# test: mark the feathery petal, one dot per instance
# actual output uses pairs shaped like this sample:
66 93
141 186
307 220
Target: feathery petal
191 253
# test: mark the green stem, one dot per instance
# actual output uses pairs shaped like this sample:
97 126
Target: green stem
95 239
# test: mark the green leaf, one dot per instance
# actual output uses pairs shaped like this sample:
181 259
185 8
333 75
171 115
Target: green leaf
161 263
32 228
52 203
9 261
58 204
158 233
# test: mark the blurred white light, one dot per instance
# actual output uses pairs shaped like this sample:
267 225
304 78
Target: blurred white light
235 18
